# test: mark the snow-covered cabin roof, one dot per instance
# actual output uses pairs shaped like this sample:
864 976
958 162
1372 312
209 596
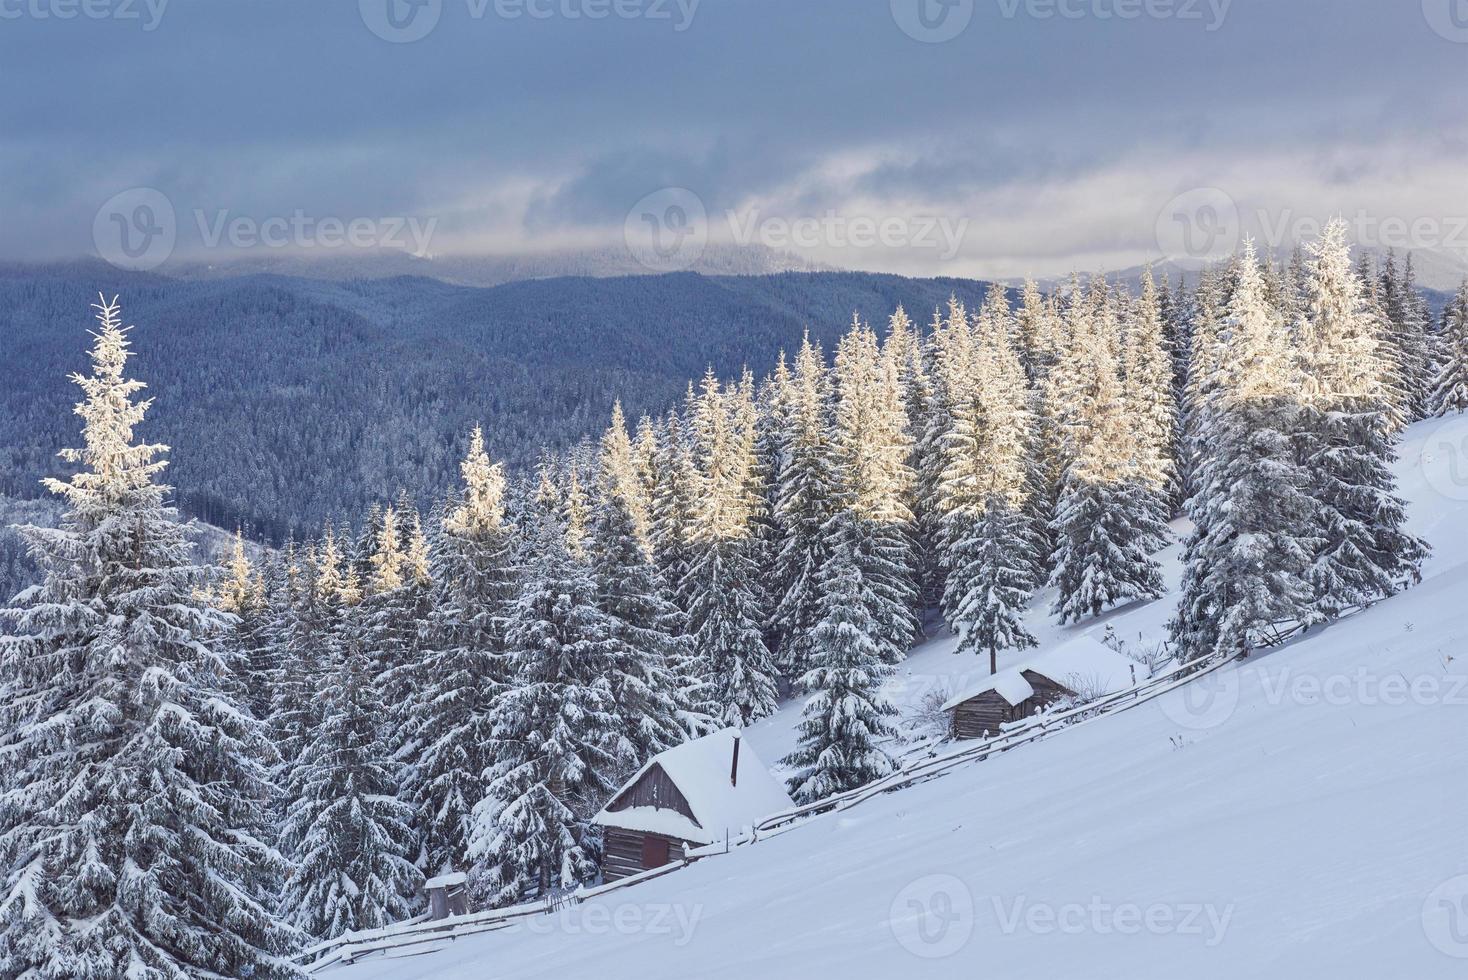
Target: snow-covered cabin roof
1081 661
447 881
700 770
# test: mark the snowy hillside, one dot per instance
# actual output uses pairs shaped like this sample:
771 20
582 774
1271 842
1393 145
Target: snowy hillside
1297 814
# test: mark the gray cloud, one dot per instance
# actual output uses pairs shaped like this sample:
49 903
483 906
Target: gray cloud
515 133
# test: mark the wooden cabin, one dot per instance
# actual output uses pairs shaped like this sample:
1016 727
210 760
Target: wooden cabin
1082 666
447 895
699 793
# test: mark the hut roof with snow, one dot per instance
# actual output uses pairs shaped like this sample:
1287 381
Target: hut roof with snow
1079 664
697 792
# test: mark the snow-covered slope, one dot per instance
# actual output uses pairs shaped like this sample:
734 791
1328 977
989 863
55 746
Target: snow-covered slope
1300 815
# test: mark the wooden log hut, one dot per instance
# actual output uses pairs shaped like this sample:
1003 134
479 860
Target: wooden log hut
699 793
1082 666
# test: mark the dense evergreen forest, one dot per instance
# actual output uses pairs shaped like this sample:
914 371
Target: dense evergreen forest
212 766
293 401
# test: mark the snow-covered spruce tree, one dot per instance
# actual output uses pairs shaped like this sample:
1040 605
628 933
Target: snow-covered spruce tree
906 352
132 814
1105 523
673 503
453 685
396 611
997 577
345 826
847 714
646 633
1245 564
550 769
722 584
1450 387
988 550
300 639
243 594
1387 358
1361 552
871 447
1149 399
807 493
1408 328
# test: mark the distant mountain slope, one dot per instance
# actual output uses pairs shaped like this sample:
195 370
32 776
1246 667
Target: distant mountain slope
288 401
490 270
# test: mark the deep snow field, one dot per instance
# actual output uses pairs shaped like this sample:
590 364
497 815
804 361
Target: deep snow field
1303 813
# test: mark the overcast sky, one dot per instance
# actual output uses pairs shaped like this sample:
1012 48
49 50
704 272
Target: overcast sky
984 137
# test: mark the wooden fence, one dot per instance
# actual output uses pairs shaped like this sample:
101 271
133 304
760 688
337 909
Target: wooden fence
407 937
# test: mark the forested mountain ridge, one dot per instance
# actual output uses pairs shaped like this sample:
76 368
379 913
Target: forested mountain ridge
292 400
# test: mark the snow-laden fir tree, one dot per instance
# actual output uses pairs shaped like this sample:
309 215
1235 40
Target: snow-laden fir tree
395 605
988 550
132 818
997 577
722 584
453 686
243 595
1407 327
1204 364
1106 523
847 715
906 352
550 769
1361 552
1450 387
1245 565
1149 399
871 446
346 828
646 633
673 503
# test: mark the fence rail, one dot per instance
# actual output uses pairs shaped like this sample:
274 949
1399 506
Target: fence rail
404 936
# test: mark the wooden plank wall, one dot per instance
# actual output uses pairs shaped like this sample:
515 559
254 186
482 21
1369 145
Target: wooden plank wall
982 715
623 849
